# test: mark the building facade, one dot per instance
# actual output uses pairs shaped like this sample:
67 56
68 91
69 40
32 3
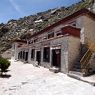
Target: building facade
60 45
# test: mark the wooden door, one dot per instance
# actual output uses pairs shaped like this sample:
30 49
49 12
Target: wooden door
56 58
38 57
26 56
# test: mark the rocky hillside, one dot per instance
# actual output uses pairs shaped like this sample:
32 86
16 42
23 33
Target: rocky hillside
22 28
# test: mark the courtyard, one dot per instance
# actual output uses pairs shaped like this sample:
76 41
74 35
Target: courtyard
27 79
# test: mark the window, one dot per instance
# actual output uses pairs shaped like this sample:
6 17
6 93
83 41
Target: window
45 37
59 33
35 40
30 42
51 35
46 54
32 53
73 23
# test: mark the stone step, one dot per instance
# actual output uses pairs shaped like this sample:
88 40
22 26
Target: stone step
54 69
75 73
80 76
77 69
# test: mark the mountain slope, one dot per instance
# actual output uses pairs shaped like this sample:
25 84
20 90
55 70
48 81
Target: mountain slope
18 29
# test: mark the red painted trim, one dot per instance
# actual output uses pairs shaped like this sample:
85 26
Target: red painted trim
71 31
22 41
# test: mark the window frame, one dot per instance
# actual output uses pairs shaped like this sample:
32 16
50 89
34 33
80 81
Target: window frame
32 53
59 32
46 54
50 35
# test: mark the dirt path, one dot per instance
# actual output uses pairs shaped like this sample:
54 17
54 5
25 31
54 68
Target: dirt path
29 80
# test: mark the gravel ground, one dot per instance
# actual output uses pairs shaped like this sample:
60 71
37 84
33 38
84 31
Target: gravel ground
29 80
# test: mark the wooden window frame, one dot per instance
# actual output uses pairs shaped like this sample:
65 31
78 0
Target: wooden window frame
32 53
46 54
50 35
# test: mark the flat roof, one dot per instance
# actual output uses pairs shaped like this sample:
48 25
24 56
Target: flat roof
66 19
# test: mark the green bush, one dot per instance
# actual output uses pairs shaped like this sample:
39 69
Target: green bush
4 65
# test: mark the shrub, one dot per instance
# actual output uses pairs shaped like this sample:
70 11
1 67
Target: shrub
4 65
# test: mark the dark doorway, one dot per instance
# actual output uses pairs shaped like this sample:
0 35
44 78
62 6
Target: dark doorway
46 54
56 58
19 55
26 56
23 54
38 57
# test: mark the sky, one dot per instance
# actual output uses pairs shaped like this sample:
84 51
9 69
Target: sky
15 9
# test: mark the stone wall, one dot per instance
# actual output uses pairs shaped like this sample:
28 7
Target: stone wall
89 30
7 54
62 42
73 50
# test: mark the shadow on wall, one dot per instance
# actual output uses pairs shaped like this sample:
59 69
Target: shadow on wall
76 63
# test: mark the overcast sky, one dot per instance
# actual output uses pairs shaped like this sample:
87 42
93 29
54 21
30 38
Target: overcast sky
14 9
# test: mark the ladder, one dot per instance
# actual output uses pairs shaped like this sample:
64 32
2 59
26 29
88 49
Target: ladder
85 59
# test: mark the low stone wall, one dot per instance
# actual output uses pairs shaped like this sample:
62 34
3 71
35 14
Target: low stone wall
7 54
